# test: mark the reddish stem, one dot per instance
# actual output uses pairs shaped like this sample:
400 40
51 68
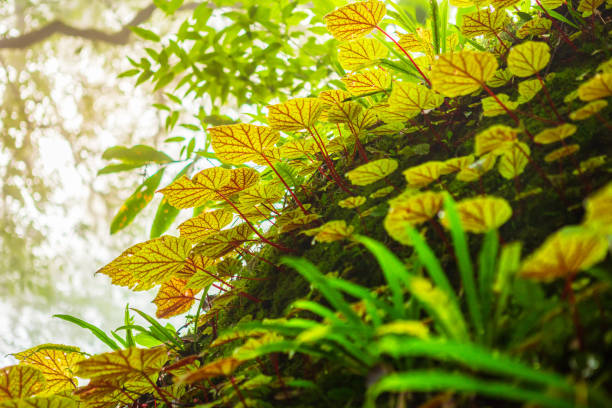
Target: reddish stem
238 392
550 101
286 185
561 32
406 54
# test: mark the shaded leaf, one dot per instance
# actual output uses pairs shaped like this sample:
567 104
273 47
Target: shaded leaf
216 245
561 152
513 161
499 78
136 202
535 26
457 164
423 174
491 107
598 87
556 134
407 96
352 202
495 139
139 154
588 110
481 214
528 89
331 231
372 171
222 367
598 208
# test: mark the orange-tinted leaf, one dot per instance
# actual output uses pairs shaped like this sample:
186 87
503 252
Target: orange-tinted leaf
352 202
241 143
535 26
561 152
556 134
482 214
295 114
483 22
357 54
173 299
222 367
121 276
331 231
598 87
193 264
372 171
513 161
461 73
588 110
407 96
123 365
56 362
367 81
495 139
216 245
207 223
158 260
20 381
355 20
564 253
186 193
423 174
527 58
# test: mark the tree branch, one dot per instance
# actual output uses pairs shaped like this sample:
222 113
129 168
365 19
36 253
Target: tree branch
120 37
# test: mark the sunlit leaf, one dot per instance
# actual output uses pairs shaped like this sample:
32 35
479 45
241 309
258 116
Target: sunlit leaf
298 148
207 223
588 110
599 209
423 174
241 143
367 81
53 401
216 245
598 87
490 106
501 4
136 202
528 58
552 4
564 253
295 114
407 96
414 328
268 194
355 20
333 97
457 164
481 214
588 7
365 120
483 22
499 78
357 54
122 276
476 170
56 362
157 260
20 381
528 89
193 264
108 393
495 139
343 112
372 171
222 367
240 179
535 26
173 298
463 72
123 365
513 161
556 134
186 193
420 41
389 115
139 154
331 231
561 152
352 202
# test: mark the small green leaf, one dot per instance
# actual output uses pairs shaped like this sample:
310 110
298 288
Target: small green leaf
138 154
146 34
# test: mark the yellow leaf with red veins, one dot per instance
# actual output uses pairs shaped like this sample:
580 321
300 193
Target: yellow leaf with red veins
382 192
158 260
469 3
588 110
364 121
528 89
110 393
193 264
490 106
561 153
331 231
216 245
389 115
334 97
423 174
501 4
476 170
514 160
495 139
564 253
207 223
588 7
343 112
123 365
120 275
261 193
20 381
499 78
357 54
222 367
294 220
555 134
483 22
528 58
420 41
173 298
298 148
367 81
463 72
407 96
456 164
201 279
355 20
598 87
240 180
481 214
186 193
372 171
598 208
352 202
56 362
535 26
415 209
295 114
242 142
53 401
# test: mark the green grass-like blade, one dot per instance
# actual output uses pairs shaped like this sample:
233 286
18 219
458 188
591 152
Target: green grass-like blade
464 262
486 271
93 329
159 330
